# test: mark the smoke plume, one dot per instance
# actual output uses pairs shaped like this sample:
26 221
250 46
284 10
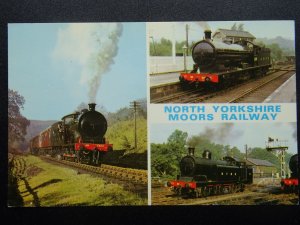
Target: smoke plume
93 46
203 25
219 134
294 126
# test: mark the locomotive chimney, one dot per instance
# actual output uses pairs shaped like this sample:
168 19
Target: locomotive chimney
206 154
207 34
92 106
191 150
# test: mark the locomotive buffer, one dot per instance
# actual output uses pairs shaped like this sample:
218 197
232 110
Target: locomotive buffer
278 147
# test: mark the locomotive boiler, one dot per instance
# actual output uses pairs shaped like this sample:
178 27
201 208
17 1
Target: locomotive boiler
78 136
292 183
220 63
202 176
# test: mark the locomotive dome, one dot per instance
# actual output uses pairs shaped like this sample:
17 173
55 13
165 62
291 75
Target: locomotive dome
92 123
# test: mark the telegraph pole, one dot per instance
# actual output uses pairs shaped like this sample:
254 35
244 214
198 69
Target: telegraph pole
135 106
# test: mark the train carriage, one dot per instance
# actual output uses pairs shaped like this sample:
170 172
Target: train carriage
78 136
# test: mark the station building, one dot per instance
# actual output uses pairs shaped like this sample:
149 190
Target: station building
232 35
261 168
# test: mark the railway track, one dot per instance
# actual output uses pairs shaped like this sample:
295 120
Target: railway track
125 174
203 96
251 196
259 85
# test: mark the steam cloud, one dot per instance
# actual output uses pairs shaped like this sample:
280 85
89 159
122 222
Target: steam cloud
294 126
218 134
93 46
204 25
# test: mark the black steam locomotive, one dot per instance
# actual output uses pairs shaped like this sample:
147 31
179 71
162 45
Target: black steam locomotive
292 183
220 63
78 136
201 177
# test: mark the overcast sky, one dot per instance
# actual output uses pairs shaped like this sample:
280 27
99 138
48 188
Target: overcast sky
53 65
260 29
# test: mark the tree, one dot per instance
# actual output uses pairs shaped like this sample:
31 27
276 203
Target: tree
234 27
276 51
125 143
241 27
17 123
163 162
177 143
165 157
260 153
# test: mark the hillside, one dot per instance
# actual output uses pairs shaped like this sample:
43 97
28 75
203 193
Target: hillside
36 126
285 44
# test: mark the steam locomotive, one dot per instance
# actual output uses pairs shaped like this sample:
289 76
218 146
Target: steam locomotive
220 63
201 177
292 183
78 136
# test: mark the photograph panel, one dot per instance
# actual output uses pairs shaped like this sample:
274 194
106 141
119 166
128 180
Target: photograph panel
222 61
224 164
77 114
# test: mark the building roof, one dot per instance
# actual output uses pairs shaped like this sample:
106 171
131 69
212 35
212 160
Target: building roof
234 33
260 162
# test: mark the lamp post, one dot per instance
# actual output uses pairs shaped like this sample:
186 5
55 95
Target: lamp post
184 56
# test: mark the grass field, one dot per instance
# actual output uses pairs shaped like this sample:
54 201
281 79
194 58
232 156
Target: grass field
44 184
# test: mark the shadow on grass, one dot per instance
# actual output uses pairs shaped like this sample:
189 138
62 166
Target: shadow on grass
36 200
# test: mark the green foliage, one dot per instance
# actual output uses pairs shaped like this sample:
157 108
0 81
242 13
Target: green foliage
276 51
121 128
121 134
126 113
17 123
165 157
163 162
261 153
162 48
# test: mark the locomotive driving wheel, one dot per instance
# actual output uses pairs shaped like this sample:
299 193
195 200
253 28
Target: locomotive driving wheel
178 191
205 191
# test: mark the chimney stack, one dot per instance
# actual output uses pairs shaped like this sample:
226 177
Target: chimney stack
191 151
207 34
92 106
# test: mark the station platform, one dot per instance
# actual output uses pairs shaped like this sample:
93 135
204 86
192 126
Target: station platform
165 78
286 93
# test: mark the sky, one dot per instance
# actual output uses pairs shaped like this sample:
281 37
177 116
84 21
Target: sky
260 29
54 65
233 134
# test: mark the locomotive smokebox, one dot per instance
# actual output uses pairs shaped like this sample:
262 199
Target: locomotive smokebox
92 106
207 34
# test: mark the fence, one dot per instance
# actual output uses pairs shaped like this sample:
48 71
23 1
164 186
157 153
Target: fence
164 64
